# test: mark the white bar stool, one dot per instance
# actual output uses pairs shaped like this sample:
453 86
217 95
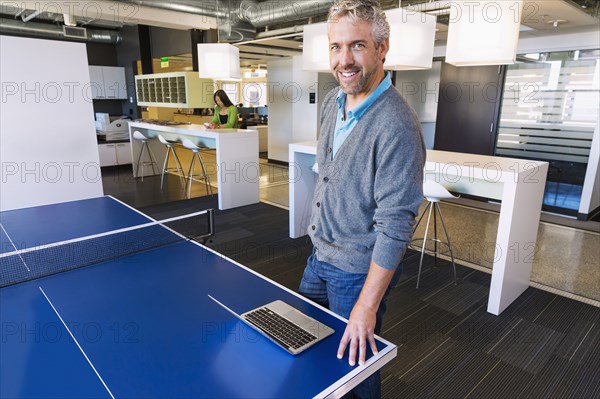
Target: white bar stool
434 192
139 136
170 152
196 154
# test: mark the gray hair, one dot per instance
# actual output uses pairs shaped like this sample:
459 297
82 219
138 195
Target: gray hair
362 10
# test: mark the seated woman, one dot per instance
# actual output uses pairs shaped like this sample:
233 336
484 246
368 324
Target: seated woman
226 114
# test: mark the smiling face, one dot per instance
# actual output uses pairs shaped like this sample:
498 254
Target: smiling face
219 102
355 61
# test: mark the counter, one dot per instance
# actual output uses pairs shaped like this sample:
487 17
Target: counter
263 136
519 184
237 167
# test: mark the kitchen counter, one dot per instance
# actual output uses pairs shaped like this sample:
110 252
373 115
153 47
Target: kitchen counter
237 167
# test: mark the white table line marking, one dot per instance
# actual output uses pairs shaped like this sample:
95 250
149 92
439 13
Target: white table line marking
79 346
15 247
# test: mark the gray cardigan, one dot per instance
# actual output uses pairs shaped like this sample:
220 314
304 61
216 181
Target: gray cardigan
368 196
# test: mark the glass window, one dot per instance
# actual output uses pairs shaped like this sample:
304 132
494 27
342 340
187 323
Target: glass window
549 112
254 94
232 92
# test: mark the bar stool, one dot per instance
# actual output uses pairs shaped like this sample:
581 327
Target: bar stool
139 136
434 192
196 154
170 152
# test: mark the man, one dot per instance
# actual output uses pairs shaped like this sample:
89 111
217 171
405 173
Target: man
370 159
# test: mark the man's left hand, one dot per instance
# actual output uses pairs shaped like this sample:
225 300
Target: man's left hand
363 318
359 331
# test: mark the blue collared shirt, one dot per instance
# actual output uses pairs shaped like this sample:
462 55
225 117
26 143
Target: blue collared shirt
343 128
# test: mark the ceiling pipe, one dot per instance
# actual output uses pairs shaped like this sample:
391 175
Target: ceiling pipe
48 31
259 14
231 28
276 12
208 8
264 39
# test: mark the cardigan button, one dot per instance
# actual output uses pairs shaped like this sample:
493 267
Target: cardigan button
329 149
318 204
313 227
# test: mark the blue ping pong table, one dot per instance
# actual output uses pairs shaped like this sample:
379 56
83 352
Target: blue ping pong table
142 326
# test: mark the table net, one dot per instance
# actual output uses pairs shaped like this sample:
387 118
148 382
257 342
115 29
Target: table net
44 260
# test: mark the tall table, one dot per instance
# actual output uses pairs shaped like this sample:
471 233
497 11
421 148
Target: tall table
237 167
519 185
143 326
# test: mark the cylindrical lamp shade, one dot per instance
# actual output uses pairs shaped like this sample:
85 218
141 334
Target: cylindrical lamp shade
484 32
412 38
218 61
315 48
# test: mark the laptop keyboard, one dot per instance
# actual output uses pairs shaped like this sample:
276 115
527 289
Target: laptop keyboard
279 328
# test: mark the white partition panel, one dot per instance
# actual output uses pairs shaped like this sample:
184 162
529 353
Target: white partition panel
48 150
590 197
304 113
280 108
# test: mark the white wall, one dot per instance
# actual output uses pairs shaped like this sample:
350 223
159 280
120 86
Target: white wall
48 150
421 89
280 110
291 116
304 114
327 83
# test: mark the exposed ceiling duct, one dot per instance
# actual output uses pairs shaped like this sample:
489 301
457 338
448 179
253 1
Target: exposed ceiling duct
204 7
239 19
248 20
230 27
258 14
275 12
49 31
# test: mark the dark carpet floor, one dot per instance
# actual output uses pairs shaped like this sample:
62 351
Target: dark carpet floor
542 346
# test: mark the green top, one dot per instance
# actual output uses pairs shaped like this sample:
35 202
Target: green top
232 117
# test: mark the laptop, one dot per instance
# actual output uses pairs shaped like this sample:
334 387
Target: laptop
284 325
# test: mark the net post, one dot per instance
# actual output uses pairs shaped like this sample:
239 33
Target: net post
210 215
211 222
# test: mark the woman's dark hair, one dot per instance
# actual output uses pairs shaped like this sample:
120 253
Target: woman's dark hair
224 98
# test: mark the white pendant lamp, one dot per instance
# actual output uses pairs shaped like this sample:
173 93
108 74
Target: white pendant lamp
485 32
315 48
218 61
412 38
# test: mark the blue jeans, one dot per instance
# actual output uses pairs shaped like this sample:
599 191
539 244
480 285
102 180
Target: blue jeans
338 290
